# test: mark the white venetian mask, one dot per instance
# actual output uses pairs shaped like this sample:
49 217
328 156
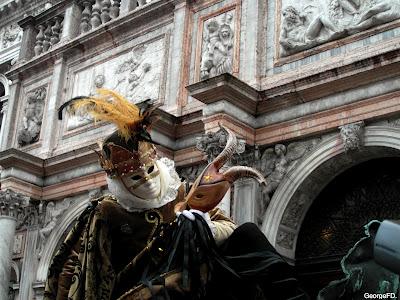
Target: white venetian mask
145 183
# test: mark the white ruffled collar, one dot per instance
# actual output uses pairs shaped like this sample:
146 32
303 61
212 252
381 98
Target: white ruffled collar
170 183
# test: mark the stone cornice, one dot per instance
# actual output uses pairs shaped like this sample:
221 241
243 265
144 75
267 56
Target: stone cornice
226 87
14 158
311 88
330 81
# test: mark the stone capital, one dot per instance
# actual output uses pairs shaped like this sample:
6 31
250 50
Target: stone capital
13 204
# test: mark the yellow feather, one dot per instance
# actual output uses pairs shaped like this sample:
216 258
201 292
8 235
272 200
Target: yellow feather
110 106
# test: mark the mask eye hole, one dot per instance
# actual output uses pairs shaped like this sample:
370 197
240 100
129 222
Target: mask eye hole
151 169
136 177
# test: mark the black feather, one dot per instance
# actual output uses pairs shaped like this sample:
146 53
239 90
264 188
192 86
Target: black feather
68 103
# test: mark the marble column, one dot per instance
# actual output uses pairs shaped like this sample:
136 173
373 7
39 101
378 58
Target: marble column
11 208
8 123
246 192
7 231
4 109
28 267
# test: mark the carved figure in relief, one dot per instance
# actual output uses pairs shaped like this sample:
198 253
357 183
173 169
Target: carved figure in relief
53 213
275 163
131 72
293 31
11 35
376 13
305 28
218 52
32 120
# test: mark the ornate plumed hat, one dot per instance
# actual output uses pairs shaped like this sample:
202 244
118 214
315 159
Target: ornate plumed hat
130 147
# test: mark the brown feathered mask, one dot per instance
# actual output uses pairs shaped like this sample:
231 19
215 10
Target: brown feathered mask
130 147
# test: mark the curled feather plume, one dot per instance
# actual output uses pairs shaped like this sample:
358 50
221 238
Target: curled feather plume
110 106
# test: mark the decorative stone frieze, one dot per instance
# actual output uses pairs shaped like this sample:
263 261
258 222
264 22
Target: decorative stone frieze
32 120
304 27
294 211
10 35
212 143
352 136
132 71
218 45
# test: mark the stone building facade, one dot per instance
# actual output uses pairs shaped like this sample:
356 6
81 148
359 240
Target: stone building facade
310 87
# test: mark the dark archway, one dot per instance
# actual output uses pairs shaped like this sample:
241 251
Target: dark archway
2 90
334 222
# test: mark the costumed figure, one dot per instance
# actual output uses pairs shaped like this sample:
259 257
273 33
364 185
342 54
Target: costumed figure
151 240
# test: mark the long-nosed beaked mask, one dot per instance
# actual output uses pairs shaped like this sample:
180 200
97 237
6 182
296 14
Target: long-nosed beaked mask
211 186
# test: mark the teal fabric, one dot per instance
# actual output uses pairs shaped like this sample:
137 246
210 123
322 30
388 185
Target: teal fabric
362 274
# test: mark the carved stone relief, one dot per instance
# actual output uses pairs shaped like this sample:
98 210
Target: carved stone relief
131 73
135 74
212 143
275 163
218 45
352 136
285 239
32 118
53 213
319 21
10 35
294 211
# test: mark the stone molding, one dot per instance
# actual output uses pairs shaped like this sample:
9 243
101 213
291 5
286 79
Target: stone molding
275 225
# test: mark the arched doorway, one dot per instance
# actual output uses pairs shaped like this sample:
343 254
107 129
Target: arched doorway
334 221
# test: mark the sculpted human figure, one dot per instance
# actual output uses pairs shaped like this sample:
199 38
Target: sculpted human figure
217 58
32 120
293 32
376 13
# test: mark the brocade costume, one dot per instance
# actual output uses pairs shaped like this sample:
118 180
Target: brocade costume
97 259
